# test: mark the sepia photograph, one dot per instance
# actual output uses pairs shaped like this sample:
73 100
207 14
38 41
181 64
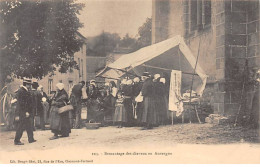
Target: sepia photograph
129 82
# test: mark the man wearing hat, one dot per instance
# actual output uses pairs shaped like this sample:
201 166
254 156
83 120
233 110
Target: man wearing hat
25 113
75 100
37 107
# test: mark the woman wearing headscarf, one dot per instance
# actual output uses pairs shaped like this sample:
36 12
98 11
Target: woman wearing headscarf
93 103
139 106
128 99
149 115
162 101
45 105
60 123
157 97
113 92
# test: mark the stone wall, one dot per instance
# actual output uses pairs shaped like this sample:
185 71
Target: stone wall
237 41
253 46
160 15
227 46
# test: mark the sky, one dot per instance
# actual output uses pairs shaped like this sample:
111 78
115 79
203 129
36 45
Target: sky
114 16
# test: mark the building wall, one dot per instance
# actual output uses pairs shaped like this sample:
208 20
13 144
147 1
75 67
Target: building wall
176 16
225 46
70 78
160 15
94 64
240 44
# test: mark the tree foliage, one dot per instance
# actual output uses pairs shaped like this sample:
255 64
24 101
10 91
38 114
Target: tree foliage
145 33
37 37
129 42
106 43
102 44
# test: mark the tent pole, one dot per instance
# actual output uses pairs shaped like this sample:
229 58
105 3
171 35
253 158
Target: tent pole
192 83
127 72
106 77
243 90
168 69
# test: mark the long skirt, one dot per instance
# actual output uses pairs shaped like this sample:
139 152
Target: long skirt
161 109
93 109
139 111
45 111
149 114
129 110
120 114
60 123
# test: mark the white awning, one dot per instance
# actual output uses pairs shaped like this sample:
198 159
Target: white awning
172 54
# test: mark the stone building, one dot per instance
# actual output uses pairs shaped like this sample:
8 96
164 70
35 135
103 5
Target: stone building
94 64
70 78
228 33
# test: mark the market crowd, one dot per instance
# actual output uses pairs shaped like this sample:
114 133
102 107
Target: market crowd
138 102
141 101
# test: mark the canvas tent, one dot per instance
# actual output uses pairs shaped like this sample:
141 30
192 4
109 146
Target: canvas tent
162 57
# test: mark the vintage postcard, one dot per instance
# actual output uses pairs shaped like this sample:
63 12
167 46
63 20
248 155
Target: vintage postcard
129 81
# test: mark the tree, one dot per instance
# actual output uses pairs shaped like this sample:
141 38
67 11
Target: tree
38 37
129 43
103 44
145 33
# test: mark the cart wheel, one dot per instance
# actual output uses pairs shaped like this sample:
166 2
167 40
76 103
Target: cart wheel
5 107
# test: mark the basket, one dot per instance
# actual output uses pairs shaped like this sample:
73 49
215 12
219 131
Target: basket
92 125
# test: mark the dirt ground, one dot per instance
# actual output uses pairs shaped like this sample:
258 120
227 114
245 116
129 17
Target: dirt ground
179 143
115 137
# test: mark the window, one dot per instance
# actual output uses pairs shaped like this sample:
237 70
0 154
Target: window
200 14
207 13
79 66
82 72
193 15
50 86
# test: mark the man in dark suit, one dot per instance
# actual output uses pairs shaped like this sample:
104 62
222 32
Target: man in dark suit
75 100
25 113
37 107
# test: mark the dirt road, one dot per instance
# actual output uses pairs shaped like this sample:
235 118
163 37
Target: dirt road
114 137
132 137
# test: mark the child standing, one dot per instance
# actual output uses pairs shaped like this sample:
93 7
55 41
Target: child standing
120 115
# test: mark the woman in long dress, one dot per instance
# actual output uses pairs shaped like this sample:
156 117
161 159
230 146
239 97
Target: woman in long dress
162 101
120 116
128 98
60 123
149 115
139 106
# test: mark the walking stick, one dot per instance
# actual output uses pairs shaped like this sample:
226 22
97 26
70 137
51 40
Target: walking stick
192 83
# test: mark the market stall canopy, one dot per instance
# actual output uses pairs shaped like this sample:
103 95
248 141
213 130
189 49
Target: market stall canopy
171 54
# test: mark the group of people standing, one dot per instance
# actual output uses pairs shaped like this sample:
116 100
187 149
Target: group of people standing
32 102
138 102
142 102
122 102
